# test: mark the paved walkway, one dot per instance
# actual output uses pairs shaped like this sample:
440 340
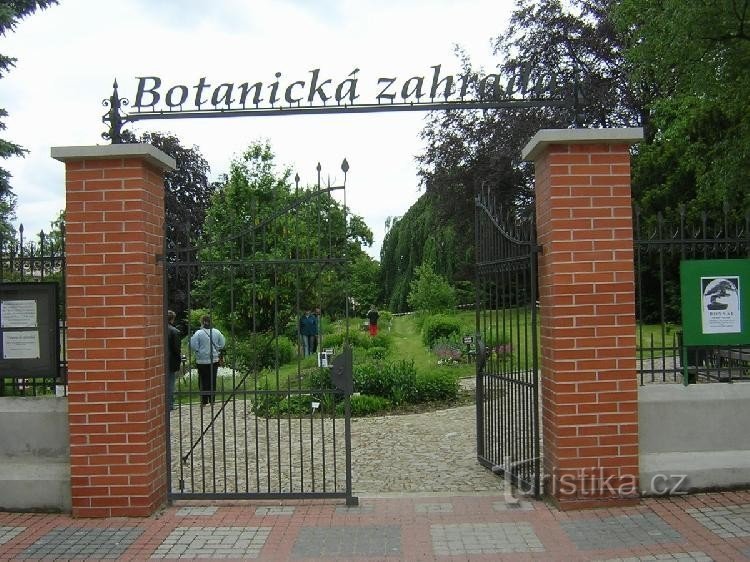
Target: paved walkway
422 497
417 527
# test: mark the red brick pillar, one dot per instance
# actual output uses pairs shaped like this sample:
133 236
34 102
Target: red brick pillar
587 315
114 219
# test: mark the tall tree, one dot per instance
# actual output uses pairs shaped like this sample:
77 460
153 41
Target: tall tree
187 196
698 56
575 42
283 240
419 236
11 13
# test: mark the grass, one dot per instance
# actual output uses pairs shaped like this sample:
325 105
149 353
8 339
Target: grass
657 340
407 343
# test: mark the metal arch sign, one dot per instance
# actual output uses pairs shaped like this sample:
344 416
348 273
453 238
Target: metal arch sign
317 93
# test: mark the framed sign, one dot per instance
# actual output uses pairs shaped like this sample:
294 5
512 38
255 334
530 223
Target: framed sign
29 333
715 302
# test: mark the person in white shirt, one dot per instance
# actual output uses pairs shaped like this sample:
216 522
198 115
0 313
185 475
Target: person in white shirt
207 343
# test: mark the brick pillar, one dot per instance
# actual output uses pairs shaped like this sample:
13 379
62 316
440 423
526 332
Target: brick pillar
114 219
587 315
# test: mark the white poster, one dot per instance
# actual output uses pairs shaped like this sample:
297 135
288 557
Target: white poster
720 311
18 314
21 345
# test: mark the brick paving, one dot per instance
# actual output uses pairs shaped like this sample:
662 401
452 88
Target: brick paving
422 497
451 527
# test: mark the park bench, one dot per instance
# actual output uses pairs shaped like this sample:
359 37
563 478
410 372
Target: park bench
723 364
734 362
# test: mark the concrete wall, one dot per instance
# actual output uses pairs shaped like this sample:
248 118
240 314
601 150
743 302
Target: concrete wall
694 438
34 454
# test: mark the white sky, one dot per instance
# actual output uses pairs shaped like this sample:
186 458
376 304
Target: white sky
69 55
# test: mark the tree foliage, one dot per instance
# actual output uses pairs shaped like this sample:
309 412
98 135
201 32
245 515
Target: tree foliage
471 151
11 13
681 70
292 248
430 292
419 236
187 196
697 55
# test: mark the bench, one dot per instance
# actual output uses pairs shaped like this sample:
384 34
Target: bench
733 363
724 364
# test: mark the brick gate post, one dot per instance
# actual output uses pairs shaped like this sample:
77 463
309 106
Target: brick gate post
114 225
587 315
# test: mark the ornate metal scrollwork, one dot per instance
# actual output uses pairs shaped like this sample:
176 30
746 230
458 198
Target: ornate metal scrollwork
113 117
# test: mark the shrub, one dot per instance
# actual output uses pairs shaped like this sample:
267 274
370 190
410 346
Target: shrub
357 339
377 353
439 326
436 386
364 405
266 403
395 381
386 318
319 379
383 339
336 340
260 351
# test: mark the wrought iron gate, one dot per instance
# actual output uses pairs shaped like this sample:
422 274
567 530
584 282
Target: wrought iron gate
507 378
276 424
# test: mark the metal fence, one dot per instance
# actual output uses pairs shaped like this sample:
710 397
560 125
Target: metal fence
661 243
39 259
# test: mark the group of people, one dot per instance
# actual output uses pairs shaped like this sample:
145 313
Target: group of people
208 343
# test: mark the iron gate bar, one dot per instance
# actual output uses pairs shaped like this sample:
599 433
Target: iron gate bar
273 434
345 108
508 440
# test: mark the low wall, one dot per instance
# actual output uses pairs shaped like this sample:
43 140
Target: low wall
34 454
694 437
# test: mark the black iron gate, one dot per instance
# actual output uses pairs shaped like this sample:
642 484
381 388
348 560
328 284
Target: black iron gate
507 377
276 421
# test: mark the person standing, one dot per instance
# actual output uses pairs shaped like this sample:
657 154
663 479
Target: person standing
207 343
372 317
316 337
308 329
174 357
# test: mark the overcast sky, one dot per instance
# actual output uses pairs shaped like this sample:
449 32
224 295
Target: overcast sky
69 55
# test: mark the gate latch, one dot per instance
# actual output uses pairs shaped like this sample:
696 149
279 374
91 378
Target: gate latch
341 372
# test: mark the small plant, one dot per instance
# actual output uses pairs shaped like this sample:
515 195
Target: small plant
364 405
377 353
448 352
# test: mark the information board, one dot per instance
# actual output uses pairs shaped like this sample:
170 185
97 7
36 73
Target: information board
715 302
29 330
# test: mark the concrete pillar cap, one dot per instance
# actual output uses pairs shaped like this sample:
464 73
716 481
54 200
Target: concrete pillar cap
152 155
545 137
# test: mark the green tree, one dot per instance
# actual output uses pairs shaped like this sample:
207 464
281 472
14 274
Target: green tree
698 56
471 151
419 236
292 246
11 13
430 292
